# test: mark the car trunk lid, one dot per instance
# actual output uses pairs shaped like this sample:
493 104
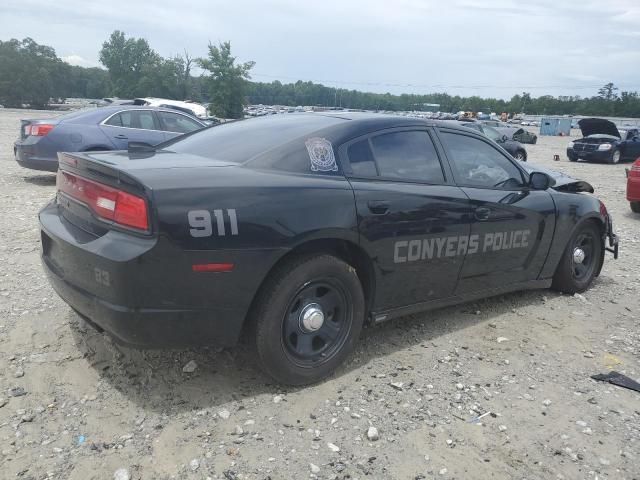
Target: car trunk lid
98 192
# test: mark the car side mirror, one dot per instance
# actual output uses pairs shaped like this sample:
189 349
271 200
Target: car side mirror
539 181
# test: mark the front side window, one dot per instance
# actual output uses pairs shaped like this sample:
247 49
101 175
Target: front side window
407 155
478 164
174 122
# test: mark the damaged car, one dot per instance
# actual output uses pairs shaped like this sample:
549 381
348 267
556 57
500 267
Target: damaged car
602 141
296 230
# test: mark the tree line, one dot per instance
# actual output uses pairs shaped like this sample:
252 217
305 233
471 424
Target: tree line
33 75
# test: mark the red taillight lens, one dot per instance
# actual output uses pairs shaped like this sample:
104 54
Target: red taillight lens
634 171
107 202
38 129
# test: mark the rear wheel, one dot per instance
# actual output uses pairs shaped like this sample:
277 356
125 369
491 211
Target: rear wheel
635 207
521 156
580 261
308 319
615 157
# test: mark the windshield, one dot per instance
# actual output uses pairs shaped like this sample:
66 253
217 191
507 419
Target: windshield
240 141
492 133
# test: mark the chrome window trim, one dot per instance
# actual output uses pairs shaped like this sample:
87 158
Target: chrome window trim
103 123
175 112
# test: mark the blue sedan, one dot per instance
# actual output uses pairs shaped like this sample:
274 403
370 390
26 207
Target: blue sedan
106 128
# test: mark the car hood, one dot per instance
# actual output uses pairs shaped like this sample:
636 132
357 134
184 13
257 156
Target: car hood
561 181
593 126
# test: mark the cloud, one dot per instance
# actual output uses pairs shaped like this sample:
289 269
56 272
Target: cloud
465 47
79 61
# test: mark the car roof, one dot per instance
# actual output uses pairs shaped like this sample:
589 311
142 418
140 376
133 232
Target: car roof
375 120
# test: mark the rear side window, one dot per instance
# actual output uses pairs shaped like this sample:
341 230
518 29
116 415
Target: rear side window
407 155
361 159
258 141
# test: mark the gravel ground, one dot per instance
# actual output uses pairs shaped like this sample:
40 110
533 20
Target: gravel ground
74 405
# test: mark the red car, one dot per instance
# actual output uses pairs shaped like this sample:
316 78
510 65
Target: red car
633 186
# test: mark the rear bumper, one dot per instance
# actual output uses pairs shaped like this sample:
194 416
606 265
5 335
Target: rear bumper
148 327
27 157
142 291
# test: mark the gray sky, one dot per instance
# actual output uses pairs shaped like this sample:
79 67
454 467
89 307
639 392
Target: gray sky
466 47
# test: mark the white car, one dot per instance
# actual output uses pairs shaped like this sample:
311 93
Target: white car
188 107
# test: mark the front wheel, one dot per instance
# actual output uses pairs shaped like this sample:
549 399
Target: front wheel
580 261
635 207
615 157
308 319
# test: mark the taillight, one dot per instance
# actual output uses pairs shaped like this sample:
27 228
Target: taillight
634 171
38 129
107 202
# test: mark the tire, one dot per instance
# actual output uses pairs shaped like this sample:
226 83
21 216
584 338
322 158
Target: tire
635 207
572 276
572 158
615 157
287 351
521 155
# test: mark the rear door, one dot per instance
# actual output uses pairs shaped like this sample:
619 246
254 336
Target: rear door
176 124
413 221
133 126
512 224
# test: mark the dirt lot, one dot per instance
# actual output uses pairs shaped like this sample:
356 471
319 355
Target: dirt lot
95 410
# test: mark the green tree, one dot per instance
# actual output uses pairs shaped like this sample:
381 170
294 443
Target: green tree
227 81
130 62
608 92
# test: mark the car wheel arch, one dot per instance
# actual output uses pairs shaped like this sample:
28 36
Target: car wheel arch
594 218
346 250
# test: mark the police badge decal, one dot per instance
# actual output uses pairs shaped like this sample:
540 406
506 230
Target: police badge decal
321 155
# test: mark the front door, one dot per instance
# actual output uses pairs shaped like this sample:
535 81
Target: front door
631 147
413 222
512 224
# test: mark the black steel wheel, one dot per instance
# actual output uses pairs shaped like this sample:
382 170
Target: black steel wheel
581 260
308 317
582 257
317 322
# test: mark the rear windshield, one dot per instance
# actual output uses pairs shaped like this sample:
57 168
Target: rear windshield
243 140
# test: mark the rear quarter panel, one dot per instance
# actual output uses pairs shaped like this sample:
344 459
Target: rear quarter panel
273 214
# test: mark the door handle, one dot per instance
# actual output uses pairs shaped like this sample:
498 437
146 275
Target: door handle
482 213
378 207
121 137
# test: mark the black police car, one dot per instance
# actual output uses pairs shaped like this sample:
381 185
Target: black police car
300 228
